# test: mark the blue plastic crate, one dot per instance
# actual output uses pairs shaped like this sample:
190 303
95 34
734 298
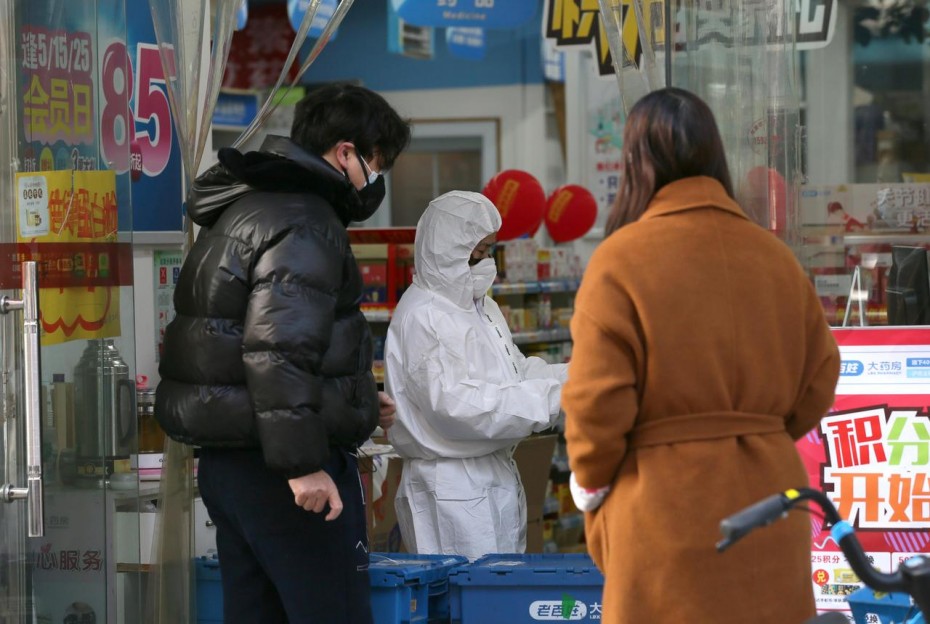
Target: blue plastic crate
521 589
209 591
408 588
867 605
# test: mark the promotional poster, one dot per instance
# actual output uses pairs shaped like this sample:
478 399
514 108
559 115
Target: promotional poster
92 97
871 456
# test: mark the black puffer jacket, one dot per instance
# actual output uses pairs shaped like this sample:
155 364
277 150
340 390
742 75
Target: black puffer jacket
269 347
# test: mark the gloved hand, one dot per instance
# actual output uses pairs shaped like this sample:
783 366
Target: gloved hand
585 499
387 409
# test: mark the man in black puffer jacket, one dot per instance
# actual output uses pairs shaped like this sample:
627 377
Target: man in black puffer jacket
267 364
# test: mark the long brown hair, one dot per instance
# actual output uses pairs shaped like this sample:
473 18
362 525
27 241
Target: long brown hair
669 134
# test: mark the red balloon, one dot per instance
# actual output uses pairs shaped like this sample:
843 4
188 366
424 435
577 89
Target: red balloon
570 213
520 199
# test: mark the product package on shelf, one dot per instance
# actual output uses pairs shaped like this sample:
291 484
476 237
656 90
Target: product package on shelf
385 261
535 293
372 262
516 260
557 263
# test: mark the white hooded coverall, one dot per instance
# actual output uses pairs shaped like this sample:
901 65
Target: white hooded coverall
465 394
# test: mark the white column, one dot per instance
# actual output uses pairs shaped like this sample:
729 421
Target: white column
830 155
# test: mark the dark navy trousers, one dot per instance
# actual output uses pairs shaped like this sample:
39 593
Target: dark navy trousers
280 564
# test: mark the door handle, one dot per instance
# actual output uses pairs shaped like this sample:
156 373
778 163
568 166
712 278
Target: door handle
33 493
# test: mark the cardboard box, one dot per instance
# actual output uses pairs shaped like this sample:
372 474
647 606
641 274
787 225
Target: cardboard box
534 459
383 532
569 530
535 536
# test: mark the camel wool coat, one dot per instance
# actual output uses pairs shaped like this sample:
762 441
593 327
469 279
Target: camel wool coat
701 354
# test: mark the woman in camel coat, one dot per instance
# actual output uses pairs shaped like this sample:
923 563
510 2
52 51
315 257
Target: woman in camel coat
701 354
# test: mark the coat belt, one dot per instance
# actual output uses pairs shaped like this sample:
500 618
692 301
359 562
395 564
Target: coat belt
703 426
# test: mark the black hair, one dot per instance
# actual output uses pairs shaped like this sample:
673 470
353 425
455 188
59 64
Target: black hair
348 112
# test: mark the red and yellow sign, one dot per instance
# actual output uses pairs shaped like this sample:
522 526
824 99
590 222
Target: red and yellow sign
67 222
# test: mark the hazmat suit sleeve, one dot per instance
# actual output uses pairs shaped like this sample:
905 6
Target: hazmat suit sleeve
464 407
538 368
532 367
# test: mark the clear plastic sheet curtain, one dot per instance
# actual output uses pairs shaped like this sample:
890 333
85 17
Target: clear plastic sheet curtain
181 33
271 101
636 35
740 57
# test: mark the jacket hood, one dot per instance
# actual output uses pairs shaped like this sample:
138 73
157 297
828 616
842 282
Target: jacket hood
450 228
281 166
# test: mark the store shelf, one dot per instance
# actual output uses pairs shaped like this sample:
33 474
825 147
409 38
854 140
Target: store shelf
560 334
831 237
889 238
377 315
531 288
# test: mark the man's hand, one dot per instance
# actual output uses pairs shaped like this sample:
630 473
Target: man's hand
314 490
387 410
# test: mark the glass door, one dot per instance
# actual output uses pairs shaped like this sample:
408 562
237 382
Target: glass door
69 531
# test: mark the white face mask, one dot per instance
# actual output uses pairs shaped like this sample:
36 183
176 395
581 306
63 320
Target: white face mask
482 275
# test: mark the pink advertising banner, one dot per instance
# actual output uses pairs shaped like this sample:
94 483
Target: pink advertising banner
871 455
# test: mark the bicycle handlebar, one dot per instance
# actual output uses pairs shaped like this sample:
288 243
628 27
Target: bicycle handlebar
760 514
913 577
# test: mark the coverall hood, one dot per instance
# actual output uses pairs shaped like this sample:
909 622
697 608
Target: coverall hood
450 228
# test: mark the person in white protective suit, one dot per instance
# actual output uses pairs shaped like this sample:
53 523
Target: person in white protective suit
465 394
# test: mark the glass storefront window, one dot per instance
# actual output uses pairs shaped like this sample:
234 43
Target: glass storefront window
864 205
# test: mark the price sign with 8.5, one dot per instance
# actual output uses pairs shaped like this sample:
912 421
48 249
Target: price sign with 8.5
137 138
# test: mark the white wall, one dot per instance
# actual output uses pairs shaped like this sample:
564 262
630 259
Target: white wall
521 110
828 86
144 246
144 300
584 89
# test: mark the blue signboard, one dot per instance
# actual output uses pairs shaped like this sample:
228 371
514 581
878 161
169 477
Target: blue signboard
411 41
296 9
466 43
235 109
475 13
242 14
